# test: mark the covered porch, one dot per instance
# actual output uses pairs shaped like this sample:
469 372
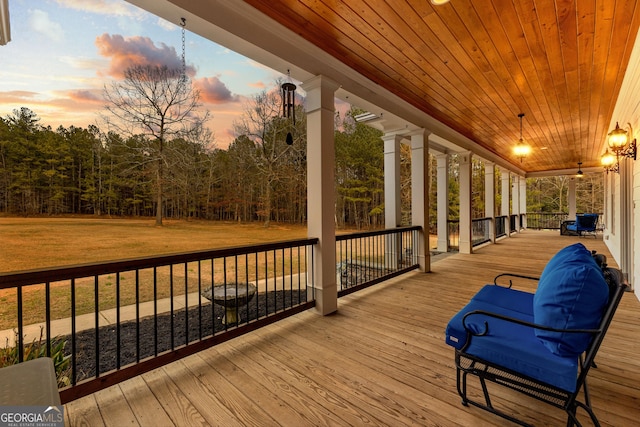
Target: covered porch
379 360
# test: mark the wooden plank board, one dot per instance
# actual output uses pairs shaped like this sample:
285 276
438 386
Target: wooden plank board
113 412
144 405
83 412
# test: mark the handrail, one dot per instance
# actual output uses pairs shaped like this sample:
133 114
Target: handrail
53 274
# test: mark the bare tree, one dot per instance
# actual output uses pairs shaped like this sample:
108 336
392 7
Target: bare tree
159 103
262 124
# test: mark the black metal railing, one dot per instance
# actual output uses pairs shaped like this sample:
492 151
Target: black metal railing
453 236
550 220
104 323
545 220
480 231
523 221
501 226
513 223
364 259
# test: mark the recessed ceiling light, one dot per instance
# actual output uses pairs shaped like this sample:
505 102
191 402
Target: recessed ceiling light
439 2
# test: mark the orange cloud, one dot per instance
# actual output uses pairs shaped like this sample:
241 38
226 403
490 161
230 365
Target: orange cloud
257 85
213 91
17 96
125 52
86 95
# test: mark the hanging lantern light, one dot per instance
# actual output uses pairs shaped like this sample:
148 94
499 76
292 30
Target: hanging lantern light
522 149
288 92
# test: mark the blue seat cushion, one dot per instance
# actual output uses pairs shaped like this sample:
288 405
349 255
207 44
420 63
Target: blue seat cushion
571 294
508 344
496 299
573 226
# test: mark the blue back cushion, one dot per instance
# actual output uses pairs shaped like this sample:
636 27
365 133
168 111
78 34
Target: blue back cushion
571 294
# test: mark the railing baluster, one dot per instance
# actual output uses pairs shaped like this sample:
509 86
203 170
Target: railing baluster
275 281
257 286
137 315
74 368
186 303
118 320
237 283
199 300
171 311
284 301
224 282
47 316
155 311
246 275
266 282
213 306
20 340
96 294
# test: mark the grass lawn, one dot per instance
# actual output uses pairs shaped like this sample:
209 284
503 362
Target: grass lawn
34 243
31 243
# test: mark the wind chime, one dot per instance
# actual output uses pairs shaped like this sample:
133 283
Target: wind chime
288 91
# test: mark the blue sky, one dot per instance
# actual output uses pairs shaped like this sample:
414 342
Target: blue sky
63 52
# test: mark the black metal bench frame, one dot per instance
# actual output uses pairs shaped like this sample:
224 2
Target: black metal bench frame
485 371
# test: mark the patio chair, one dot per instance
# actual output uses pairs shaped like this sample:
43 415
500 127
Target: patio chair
542 345
584 224
30 383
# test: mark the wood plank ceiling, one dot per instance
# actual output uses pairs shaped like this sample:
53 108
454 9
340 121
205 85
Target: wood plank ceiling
476 64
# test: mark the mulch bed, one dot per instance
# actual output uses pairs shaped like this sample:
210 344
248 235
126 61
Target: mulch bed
172 331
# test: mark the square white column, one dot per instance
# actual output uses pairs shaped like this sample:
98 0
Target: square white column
443 201
321 197
420 196
465 245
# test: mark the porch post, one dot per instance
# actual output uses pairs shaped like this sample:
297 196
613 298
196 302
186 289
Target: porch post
443 202
515 202
392 207
523 202
465 245
420 195
320 189
506 194
490 198
572 198
627 205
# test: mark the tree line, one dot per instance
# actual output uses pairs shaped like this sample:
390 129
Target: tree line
84 171
154 161
258 177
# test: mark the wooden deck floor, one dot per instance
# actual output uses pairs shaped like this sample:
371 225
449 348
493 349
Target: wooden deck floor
380 360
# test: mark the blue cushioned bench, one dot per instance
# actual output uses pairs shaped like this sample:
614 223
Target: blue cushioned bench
540 344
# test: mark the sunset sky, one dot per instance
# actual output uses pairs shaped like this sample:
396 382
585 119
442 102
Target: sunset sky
63 52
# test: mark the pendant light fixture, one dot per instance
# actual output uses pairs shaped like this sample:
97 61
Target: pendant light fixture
579 174
521 150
